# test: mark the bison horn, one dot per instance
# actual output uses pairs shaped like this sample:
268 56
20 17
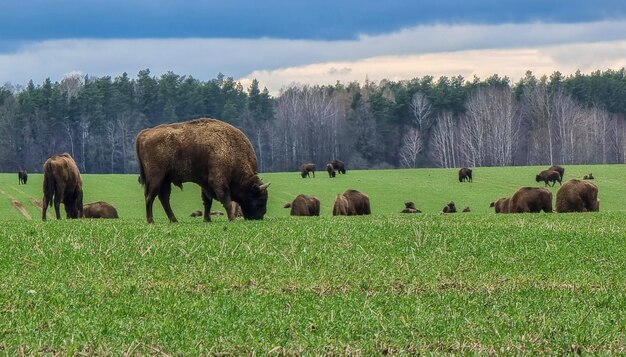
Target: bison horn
264 186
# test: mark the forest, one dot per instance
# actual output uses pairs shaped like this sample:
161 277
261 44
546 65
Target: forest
419 122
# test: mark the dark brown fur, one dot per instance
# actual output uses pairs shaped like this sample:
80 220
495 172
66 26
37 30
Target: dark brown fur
331 170
62 183
531 199
501 205
305 169
213 154
467 209
305 205
577 196
549 176
409 207
449 208
359 201
465 174
343 207
559 169
22 177
588 177
339 166
99 210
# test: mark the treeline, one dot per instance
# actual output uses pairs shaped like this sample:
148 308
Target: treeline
444 122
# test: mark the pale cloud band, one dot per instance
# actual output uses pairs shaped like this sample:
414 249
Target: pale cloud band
467 50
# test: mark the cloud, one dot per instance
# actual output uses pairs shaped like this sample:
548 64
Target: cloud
459 49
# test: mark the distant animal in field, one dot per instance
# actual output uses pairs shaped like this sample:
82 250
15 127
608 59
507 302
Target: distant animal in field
62 183
501 205
331 170
99 210
304 205
449 208
465 174
588 177
350 203
409 207
211 153
306 169
559 169
339 166
549 176
577 196
467 209
196 214
531 200
22 177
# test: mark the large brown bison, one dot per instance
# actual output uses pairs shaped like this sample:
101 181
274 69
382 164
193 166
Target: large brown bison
465 174
531 199
559 169
213 154
577 196
304 205
339 166
331 170
62 183
549 176
99 210
22 177
449 208
501 205
350 203
305 169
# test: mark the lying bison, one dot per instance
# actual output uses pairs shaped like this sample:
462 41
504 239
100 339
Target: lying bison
306 169
588 177
339 166
22 177
558 169
331 170
304 205
577 196
465 174
531 199
99 210
62 183
501 205
350 203
449 208
548 176
409 207
213 154
467 209
196 214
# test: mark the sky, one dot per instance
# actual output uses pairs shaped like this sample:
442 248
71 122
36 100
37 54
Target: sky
285 42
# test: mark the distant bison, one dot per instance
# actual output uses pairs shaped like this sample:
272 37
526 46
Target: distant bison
99 210
304 205
467 209
213 154
449 208
62 183
339 166
196 214
22 177
558 169
331 170
577 196
501 205
465 174
588 177
531 199
409 207
549 176
305 169
350 203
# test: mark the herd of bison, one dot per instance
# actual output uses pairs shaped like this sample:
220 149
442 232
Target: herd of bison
221 160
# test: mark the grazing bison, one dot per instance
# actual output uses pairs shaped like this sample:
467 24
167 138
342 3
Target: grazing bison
22 177
531 199
350 203
588 177
409 207
558 169
449 208
305 169
331 170
304 205
467 209
62 183
501 205
577 196
213 154
196 214
99 210
465 174
549 176
339 166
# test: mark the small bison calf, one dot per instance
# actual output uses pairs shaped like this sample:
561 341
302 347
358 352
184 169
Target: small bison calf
99 210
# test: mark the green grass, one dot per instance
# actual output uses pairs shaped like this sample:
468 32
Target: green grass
389 283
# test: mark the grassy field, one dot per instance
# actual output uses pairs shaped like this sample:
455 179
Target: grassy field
388 283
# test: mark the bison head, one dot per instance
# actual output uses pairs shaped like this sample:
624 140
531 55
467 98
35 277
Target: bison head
254 202
538 178
303 173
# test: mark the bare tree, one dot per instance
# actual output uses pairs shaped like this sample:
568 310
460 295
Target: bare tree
421 110
411 148
444 140
71 84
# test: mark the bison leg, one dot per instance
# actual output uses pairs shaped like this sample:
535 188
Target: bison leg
164 197
150 196
207 201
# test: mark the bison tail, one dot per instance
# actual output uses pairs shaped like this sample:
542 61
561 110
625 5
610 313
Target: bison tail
142 174
48 184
